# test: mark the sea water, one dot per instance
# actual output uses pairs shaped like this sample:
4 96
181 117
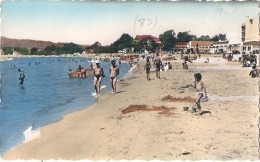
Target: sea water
46 95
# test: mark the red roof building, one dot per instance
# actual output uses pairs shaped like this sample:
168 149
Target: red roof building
200 44
182 45
138 37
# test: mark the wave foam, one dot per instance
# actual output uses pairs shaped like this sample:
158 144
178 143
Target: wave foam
95 94
132 68
30 134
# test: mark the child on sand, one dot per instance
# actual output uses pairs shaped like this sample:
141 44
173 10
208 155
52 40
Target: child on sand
147 68
200 90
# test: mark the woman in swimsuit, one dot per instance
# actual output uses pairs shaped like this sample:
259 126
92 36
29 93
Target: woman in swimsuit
200 90
147 68
98 73
114 71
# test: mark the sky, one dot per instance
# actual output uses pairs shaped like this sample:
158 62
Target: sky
85 22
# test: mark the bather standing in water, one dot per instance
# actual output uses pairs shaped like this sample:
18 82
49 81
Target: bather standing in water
21 76
114 71
98 74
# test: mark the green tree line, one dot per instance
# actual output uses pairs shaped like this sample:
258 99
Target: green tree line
168 40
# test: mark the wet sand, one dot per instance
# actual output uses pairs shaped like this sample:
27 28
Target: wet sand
227 129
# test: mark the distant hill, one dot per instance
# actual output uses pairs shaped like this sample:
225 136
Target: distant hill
27 43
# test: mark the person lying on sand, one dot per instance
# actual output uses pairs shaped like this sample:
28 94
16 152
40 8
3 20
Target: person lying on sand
200 90
114 71
98 74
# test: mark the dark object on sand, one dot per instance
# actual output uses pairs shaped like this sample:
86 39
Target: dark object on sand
185 108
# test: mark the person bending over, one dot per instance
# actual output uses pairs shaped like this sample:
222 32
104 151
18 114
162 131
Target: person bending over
200 90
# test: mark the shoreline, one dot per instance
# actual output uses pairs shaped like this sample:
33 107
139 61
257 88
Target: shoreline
101 131
31 132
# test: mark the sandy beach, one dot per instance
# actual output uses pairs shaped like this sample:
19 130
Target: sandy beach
228 129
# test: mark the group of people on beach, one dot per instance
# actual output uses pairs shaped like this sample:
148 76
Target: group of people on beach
157 63
99 73
198 83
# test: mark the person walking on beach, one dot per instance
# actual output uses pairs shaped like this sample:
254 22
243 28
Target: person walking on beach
98 74
157 63
114 71
21 76
200 90
147 68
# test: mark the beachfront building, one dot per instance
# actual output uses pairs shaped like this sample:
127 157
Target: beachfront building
149 38
250 36
219 47
89 49
234 48
200 47
181 47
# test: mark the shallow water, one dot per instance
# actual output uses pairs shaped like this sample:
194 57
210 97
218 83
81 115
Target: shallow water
47 94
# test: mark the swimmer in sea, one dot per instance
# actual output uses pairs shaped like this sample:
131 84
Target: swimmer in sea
70 73
200 90
21 77
98 74
114 71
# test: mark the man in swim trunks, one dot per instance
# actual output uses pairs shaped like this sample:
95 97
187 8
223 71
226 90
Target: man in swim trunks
114 71
98 73
157 63
200 90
